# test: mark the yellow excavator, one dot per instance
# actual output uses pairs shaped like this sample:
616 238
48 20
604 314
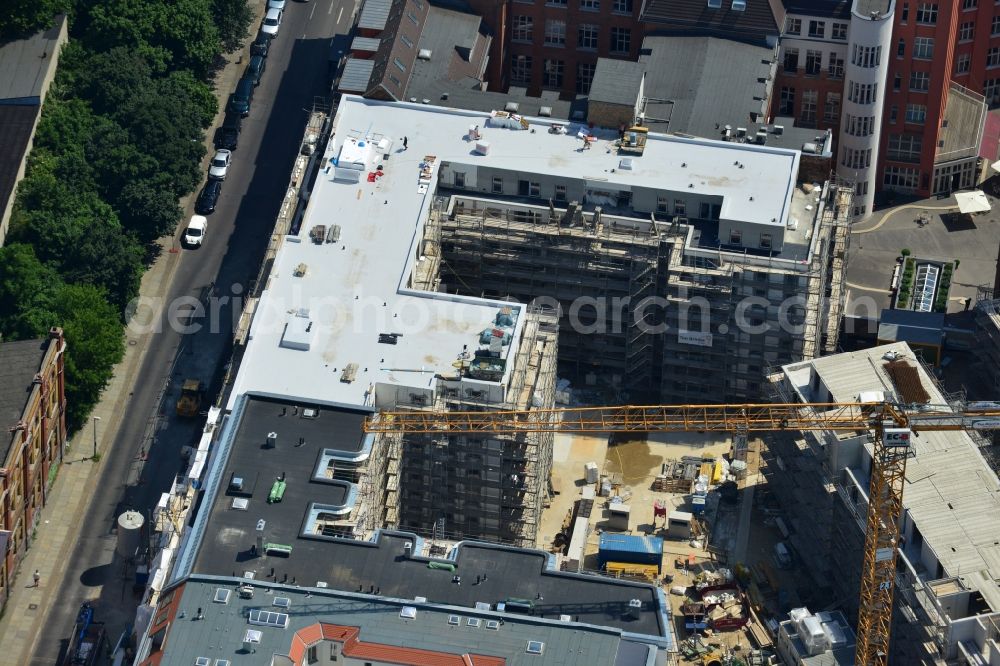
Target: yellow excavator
189 404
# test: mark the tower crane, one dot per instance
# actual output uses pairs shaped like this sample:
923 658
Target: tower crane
889 425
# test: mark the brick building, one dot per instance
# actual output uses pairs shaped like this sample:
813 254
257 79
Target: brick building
905 86
32 414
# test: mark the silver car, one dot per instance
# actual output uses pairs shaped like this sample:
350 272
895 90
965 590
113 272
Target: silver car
219 166
272 21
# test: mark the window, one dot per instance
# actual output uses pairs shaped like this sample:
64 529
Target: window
586 36
584 76
861 189
808 106
857 158
555 33
522 28
927 13
866 56
312 654
906 13
839 31
765 241
893 113
621 40
459 179
735 237
555 3
995 26
969 4
406 40
413 18
786 101
991 90
817 28
966 31
901 49
923 48
590 5
993 57
862 93
859 125
916 113
560 193
835 70
661 205
553 73
793 26
739 5
905 147
520 69
901 178
919 81
497 185
535 647
814 62
399 64
791 60
680 208
831 107
962 63
622 7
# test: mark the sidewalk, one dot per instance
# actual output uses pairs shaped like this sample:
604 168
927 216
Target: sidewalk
61 519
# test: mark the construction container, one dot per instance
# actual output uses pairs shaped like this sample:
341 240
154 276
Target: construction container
698 505
590 472
630 548
618 516
679 525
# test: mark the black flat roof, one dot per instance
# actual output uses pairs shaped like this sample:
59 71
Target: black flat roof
330 428
383 568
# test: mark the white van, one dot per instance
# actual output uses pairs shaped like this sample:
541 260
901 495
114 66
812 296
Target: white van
194 235
782 555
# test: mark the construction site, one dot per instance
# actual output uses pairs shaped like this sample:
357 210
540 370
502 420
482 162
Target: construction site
416 416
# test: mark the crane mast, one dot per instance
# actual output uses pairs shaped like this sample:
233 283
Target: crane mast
889 425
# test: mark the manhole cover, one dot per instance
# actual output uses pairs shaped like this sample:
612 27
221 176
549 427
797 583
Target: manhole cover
32 606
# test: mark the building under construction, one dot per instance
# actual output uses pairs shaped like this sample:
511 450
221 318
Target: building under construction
947 599
654 306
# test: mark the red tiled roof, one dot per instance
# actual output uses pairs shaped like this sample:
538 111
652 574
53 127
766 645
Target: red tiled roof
391 654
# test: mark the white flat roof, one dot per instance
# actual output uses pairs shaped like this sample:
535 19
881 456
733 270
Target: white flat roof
951 493
325 304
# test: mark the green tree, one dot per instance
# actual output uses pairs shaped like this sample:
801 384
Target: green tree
20 18
95 341
232 18
27 288
172 35
149 209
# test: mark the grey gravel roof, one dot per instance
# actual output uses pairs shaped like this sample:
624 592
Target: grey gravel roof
616 81
219 634
24 63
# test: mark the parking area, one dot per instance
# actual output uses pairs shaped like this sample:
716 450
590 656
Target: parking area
930 229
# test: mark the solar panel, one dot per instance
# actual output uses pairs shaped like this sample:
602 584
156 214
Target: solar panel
282 602
266 618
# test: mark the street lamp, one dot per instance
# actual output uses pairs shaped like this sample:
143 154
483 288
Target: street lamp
96 419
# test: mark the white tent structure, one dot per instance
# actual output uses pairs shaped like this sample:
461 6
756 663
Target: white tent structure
972 202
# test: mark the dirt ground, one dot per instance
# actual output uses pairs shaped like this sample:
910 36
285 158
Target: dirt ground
636 464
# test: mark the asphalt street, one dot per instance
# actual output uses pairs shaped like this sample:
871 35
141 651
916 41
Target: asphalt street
146 455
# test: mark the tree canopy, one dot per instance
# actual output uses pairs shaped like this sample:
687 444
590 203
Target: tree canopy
120 140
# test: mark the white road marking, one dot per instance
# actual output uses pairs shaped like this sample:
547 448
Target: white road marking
340 15
311 12
330 10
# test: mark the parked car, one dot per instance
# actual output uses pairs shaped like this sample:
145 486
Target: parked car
228 136
272 21
209 196
219 165
276 4
255 68
242 97
261 44
194 235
